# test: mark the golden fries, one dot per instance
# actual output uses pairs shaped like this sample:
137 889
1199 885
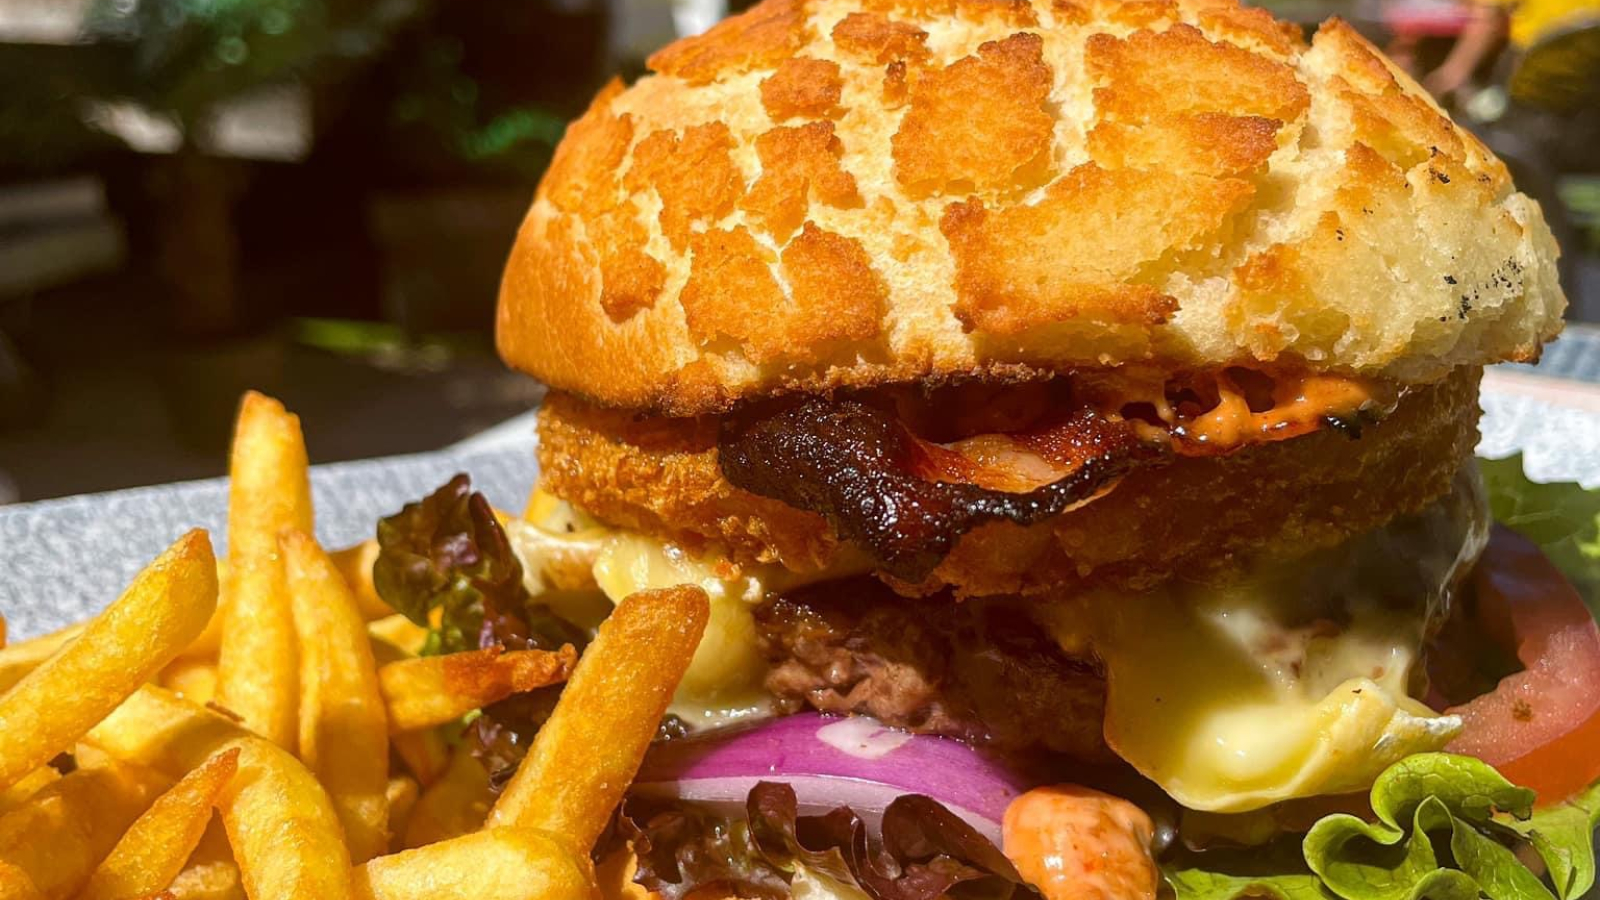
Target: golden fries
269 492
399 632
355 565
60 833
401 794
153 851
456 804
280 822
423 752
161 611
26 787
433 690
207 642
213 880
498 864
211 873
343 733
195 679
17 660
15 884
587 753
281 789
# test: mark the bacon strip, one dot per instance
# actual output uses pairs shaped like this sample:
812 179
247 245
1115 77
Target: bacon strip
904 500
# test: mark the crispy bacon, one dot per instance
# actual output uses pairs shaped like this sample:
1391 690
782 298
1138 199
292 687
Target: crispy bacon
906 500
903 474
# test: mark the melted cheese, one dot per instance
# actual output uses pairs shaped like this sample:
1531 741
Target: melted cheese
724 680
1292 681
1229 710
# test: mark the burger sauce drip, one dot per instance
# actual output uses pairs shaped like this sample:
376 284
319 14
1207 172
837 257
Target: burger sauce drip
879 486
1300 405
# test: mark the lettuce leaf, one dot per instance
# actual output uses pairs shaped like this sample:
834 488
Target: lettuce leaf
1276 871
1448 828
681 848
1422 798
921 852
447 553
1564 838
1561 517
445 562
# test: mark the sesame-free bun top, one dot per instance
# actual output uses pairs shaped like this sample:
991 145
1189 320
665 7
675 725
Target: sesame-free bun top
827 193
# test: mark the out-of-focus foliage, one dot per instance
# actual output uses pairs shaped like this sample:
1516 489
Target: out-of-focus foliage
188 55
438 104
182 59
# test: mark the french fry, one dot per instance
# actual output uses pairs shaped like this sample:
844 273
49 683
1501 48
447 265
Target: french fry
17 660
26 787
60 833
400 632
433 690
280 822
15 884
355 565
401 795
344 738
455 805
215 880
156 846
208 642
586 754
211 873
269 491
195 679
499 864
423 752
161 611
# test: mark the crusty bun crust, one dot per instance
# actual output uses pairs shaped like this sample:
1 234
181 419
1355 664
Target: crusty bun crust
824 193
1196 515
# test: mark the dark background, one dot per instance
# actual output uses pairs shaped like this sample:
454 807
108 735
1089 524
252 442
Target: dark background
315 198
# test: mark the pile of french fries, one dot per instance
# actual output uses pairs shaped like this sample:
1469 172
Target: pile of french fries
182 746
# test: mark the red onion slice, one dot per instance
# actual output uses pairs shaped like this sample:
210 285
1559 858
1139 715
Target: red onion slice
834 762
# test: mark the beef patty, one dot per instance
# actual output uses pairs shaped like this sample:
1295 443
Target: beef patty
979 670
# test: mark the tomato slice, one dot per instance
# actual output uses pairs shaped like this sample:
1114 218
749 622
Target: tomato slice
1539 727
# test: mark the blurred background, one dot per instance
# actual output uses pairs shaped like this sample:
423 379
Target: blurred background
315 197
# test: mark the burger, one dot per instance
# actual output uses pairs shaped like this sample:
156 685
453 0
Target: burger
1069 409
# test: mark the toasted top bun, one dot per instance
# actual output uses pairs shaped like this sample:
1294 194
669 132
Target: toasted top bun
831 193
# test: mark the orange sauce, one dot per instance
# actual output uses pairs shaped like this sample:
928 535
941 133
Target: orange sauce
1301 403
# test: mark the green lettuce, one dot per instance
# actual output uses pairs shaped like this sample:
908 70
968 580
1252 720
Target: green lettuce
1448 828
1564 838
1561 517
1421 800
1276 871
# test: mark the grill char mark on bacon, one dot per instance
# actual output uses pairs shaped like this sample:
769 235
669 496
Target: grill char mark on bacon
859 467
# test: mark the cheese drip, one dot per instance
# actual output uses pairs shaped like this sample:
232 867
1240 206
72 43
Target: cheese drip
724 680
1293 681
